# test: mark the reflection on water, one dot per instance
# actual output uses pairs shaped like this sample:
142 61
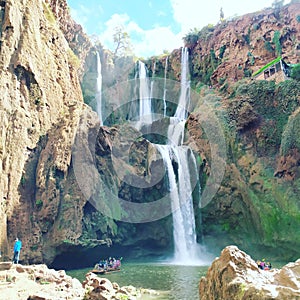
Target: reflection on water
173 281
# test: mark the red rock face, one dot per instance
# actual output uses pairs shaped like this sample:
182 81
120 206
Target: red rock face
40 107
244 44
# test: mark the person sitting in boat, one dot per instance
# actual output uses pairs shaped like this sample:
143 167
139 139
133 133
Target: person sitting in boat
118 263
102 264
263 265
112 262
268 266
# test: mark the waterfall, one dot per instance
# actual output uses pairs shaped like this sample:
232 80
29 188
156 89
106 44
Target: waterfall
186 249
177 123
181 111
145 115
165 86
99 89
151 87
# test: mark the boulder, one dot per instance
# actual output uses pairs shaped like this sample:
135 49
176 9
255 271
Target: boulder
235 275
38 282
5 265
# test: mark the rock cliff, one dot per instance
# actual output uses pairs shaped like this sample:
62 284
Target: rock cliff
40 107
235 48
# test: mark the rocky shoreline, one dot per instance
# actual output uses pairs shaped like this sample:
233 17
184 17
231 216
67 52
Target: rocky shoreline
234 275
38 282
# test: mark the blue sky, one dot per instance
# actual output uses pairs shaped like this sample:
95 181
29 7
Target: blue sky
154 25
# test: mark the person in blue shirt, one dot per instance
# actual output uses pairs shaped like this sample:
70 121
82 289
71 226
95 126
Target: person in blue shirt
17 249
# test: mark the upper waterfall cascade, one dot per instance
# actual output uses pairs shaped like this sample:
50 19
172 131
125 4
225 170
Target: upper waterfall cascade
99 89
145 115
186 248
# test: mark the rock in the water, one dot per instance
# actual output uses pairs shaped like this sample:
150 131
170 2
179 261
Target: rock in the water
235 276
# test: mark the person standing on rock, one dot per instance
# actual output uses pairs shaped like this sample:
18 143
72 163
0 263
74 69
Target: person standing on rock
17 249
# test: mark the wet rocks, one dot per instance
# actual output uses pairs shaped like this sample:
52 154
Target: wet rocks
38 282
101 288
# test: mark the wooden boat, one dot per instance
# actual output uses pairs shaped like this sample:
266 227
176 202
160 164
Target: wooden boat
98 270
104 268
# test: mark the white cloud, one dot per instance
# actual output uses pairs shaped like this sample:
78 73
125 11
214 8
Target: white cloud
156 40
145 42
197 14
80 16
190 13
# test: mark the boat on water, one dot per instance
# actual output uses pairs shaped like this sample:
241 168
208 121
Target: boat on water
107 266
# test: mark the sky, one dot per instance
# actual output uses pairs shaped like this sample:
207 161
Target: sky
155 26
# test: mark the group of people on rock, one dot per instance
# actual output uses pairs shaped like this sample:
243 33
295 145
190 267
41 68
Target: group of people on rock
263 265
110 263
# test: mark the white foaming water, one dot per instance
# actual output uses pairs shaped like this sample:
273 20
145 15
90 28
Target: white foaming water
99 89
145 115
182 108
165 86
186 249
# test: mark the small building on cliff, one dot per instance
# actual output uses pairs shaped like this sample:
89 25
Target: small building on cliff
276 69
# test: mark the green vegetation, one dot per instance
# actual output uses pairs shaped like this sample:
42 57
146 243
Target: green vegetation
277 4
264 101
247 72
247 36
23 181
291 137
222 50
33 247
122 42
268 46
256 26
39 203
267 66
49 14
213 59
73 59
251 58
192 37
295 74
266 113
276 41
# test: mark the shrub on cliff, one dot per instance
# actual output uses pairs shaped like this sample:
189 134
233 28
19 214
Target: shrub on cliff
295 74
290 137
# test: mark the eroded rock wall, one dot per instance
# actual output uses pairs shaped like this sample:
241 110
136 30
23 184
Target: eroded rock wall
233 49
41 102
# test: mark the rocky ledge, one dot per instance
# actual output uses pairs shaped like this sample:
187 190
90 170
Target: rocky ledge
38 282
235 275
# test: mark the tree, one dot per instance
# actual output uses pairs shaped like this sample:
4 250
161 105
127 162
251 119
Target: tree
122 42
221 15
277 5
